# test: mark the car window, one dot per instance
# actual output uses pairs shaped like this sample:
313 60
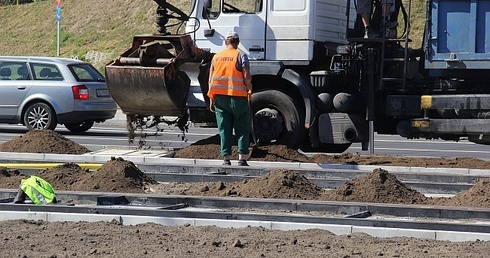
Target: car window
86 73
14 71
46 72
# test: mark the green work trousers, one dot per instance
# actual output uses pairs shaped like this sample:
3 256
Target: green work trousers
233 113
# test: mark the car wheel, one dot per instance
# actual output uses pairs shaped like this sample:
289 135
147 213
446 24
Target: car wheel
276 119
80 127
40 116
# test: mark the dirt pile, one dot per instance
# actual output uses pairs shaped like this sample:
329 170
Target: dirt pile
116 175
357 159
119 175
47 141
122 176
64 177
279 183
10 178
477 196
379 187
43 141
209 149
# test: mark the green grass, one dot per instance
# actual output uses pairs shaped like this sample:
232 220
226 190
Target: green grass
96 30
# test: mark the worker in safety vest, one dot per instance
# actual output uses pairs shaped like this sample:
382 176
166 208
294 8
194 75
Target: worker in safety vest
230 87
38 190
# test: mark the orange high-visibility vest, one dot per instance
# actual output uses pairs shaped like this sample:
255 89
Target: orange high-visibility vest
225 78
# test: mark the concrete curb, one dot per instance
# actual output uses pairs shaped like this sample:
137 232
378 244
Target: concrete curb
162 158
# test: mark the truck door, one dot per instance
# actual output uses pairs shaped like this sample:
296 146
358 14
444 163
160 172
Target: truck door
218 17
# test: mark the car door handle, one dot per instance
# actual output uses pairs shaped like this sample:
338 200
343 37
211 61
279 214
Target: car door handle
21 87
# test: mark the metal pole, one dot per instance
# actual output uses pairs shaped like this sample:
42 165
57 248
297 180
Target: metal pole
371 137
370 95
58 39
58 21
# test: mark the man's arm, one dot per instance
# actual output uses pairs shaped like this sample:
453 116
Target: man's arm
211 101
247 78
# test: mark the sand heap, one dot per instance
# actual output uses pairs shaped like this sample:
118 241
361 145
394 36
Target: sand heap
116 175
47 141
10 178
279 183
379 187
43 141
64 177
357 159
477 196
209 149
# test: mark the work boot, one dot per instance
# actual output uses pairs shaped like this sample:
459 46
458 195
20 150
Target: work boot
226 162
370 34
367 30
242 162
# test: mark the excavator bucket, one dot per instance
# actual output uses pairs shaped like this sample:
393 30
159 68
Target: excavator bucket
146 80
148 91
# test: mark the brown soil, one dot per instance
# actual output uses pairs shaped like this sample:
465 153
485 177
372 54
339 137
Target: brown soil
209 149
105 239
43 141
122 176
379 186
116 175
28 238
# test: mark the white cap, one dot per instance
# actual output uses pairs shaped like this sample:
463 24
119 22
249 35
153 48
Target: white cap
232 35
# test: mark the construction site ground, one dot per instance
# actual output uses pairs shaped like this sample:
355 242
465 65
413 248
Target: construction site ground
23 238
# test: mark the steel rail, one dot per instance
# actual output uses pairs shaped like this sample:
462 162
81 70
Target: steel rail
460 223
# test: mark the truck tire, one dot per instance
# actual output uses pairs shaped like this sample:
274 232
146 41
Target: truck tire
79 127
40 116
276 119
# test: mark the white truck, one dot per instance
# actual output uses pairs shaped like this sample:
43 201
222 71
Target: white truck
318 83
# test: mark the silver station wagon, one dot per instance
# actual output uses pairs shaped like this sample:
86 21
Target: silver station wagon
42 92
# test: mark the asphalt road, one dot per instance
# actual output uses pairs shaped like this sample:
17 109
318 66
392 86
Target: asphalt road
113 134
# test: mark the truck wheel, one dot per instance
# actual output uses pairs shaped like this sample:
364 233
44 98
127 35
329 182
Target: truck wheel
80 127
40 116
276 118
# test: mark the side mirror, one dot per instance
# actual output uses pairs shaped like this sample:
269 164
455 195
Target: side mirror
208 4
206 10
